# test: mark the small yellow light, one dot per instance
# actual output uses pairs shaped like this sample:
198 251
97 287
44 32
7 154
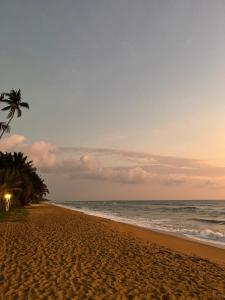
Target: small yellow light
7 197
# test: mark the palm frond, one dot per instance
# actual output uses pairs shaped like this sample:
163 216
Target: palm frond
6 108
19 112
7 101
24 104
2 97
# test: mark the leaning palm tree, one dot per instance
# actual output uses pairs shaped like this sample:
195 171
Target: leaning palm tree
4 127
14 105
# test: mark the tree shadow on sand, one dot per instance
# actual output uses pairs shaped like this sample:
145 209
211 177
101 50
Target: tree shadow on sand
14 215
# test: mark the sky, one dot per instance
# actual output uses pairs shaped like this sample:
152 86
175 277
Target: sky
127 98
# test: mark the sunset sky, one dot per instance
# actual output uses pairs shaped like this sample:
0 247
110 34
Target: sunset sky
127 97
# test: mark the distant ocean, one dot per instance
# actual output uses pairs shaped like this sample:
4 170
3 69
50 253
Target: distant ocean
200 220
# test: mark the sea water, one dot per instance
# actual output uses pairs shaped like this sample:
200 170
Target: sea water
200 220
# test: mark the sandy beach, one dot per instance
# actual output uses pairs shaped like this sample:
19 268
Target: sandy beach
55 253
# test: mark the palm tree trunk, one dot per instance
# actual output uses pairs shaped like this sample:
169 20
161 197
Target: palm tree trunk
6 126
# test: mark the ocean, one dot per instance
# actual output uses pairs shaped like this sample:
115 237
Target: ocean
199 220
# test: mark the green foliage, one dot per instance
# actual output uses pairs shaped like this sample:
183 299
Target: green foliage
19 177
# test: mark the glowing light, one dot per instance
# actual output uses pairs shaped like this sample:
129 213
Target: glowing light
7 196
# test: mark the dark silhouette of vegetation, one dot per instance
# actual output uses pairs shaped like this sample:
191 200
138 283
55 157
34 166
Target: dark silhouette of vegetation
14 105
4 127
19 178
19 182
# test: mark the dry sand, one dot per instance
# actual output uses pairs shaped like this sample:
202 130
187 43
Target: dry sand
55 253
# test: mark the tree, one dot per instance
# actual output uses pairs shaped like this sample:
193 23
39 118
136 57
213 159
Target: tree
4 127
14 105
10 183
18 177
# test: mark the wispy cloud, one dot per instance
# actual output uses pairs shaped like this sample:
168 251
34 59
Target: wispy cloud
120 166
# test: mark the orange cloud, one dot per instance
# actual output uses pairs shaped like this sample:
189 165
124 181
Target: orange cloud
125 167
11 142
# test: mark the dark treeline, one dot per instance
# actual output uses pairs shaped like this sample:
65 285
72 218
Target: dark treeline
20 183
19 178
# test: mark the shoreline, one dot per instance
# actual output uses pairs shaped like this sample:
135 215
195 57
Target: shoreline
52 252
166 239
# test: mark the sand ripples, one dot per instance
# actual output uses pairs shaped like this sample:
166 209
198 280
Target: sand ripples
58 254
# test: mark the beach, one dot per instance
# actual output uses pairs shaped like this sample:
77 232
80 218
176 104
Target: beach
56 253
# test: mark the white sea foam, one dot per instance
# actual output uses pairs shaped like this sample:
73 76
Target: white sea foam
141 217
206 235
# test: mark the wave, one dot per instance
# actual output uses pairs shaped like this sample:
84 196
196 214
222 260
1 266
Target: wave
163 225
182 208
211 221
205 235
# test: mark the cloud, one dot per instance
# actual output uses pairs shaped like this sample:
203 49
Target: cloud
130 176
143 167
141 158
84 164
11 142
119 166
42 153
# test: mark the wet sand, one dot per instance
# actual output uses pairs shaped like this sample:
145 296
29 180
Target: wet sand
56 253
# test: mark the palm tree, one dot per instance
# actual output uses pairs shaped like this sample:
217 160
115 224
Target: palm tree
15 105
19 177
2 96
4 127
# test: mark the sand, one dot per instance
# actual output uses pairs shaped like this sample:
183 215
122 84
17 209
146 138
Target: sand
54 253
